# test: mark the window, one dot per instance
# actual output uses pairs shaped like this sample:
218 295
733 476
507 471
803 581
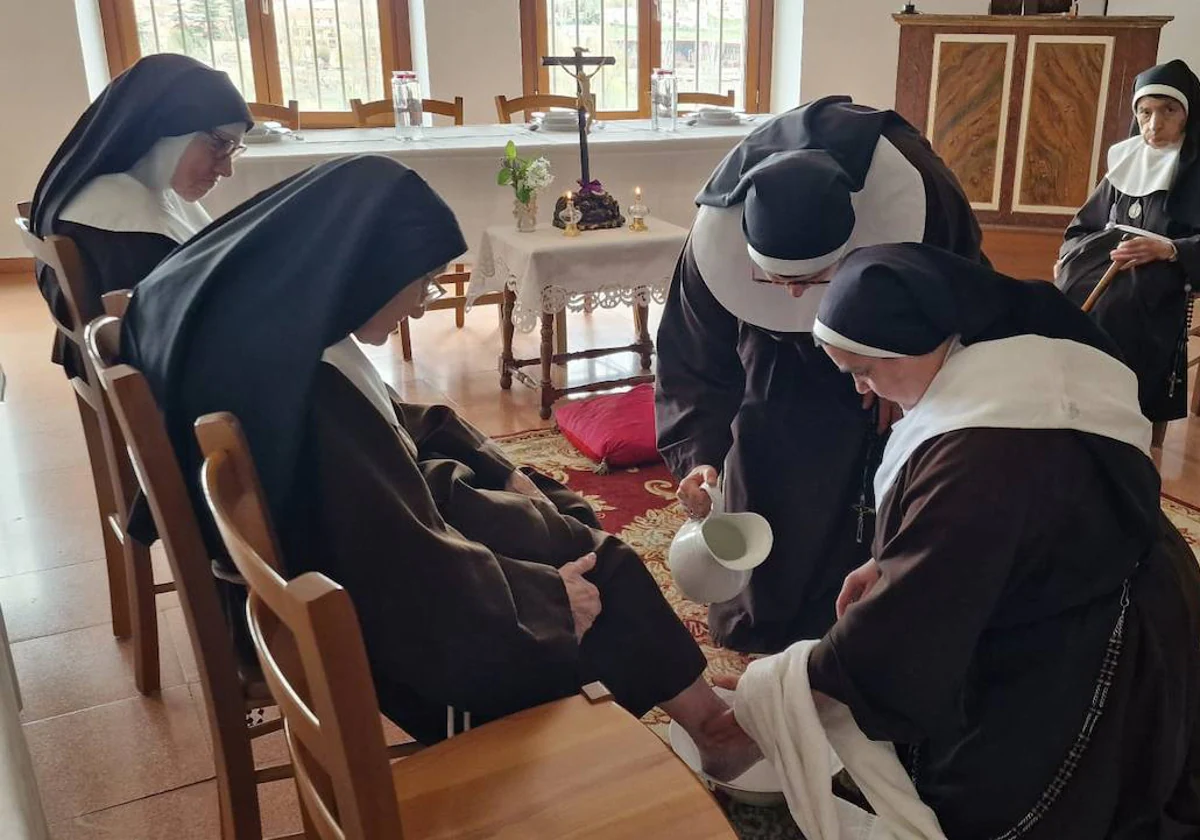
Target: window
321 53
714 46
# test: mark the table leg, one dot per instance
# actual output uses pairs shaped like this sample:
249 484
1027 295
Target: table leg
560 333
547 389
641 323
506 338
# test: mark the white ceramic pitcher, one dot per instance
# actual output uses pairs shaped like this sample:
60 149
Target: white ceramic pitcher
711 558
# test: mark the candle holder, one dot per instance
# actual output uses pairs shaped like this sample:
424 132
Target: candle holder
638 212
570 218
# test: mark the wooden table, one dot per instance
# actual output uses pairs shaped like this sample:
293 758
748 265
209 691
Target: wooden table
544 274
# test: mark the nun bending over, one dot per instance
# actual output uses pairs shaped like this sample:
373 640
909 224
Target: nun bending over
478 586
126 183
1145 215
742 394
1025 635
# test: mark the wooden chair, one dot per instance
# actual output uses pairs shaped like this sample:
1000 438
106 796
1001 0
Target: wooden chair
381 113
230 690
457 275
693 98
131 586
288 116
505 107
567 769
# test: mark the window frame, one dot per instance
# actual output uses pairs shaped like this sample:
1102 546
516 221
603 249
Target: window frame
760 28
123 50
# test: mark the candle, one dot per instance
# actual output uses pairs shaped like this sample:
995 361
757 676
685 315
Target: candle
637 194
570 197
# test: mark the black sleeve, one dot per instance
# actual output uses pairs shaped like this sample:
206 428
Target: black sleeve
701 380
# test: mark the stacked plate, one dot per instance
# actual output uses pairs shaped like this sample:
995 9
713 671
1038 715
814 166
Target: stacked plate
560 120
717 116
266 132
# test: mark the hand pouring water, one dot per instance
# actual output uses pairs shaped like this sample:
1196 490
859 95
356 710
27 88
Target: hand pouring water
711 558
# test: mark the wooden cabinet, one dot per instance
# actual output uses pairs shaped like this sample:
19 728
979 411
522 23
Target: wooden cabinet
1023 109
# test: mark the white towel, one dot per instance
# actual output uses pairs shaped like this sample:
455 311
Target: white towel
775 705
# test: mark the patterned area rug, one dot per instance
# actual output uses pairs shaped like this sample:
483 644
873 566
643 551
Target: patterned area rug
639 506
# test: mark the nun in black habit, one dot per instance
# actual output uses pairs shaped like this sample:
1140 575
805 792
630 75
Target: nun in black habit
1026 632
741 389
1145 215
126 183
478 586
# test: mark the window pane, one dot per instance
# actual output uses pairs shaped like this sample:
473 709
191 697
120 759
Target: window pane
604 27
704 41
329 52
212 31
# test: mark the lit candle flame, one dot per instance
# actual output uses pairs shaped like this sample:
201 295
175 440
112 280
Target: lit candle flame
637 193
570 196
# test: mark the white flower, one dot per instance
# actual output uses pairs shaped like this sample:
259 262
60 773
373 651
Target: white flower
538 175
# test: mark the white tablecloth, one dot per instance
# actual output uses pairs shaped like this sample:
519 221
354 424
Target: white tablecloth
460 162
550 272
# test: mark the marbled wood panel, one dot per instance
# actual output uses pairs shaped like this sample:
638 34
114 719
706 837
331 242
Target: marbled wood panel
966 118
1064 101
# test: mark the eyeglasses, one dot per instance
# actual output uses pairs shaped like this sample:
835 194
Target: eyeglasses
433 291
224 148
822 278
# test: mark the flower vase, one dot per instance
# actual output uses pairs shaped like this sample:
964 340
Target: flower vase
525 214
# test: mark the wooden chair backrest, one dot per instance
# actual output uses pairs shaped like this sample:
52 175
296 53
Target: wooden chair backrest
143 432
692 98
310 645
287 116
505 107
381 113
82 301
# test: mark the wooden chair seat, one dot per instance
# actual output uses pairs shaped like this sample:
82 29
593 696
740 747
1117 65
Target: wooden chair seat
568 769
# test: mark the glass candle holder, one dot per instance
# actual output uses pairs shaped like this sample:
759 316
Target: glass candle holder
638 212
570 217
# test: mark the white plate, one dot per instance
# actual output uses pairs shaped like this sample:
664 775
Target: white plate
266 137
757 786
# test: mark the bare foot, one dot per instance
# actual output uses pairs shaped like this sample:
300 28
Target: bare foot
726 751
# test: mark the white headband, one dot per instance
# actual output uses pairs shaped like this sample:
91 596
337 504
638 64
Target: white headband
1160 90
835 339
797 268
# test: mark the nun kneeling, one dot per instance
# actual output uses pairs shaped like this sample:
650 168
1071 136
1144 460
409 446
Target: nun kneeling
126 183
1025 635
478 586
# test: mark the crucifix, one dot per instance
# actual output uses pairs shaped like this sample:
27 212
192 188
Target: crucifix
584 100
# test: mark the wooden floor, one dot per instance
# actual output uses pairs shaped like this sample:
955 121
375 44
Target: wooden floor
112 764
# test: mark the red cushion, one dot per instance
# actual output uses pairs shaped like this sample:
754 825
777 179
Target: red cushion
617 430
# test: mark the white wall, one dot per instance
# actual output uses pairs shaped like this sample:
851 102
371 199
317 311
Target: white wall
1180 37
788 50
91 38
474 52
43 89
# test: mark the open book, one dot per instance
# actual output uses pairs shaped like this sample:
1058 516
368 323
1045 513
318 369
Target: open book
1135 231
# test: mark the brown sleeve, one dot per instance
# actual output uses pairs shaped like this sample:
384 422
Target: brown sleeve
439 431
1092 217
701 380
466 626
899 657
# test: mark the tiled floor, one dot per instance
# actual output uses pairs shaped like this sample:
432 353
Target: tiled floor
113 765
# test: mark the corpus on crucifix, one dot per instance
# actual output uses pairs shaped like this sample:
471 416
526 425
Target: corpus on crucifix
598 209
